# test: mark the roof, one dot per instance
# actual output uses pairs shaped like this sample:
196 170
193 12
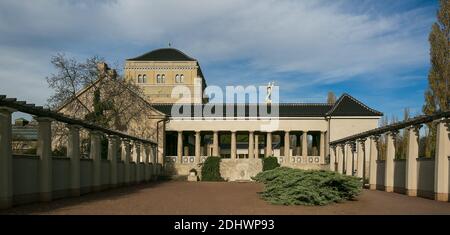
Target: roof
163 54
346 105
284 110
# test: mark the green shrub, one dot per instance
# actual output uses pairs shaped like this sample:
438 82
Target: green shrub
211 169
270 163
287 186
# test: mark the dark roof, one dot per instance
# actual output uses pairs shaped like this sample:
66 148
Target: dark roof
284 110
344 106
163 54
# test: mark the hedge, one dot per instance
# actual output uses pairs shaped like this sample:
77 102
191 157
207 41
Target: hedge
287 186
270 163
211 169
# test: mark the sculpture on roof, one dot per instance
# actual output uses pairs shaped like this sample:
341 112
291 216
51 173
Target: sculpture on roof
269 92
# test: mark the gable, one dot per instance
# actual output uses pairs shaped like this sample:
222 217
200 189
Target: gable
347 105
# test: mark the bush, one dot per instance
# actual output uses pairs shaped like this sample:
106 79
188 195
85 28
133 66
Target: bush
287 186
270 163
211 169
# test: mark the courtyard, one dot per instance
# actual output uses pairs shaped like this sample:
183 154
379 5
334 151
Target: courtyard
223 198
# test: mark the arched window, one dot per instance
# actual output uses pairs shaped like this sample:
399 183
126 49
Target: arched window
158 78
177 78
139 79
182 78
144 78
163 78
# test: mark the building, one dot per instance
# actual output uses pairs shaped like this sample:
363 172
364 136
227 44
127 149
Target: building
298 135
158 72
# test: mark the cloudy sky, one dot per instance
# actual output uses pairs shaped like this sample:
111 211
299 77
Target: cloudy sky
375 50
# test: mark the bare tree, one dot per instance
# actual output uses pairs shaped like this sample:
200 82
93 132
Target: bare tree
331 98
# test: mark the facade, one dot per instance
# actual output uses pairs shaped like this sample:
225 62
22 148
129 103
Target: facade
158 72
297 134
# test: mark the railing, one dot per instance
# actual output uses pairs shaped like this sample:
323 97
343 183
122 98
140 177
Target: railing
413 176
43 177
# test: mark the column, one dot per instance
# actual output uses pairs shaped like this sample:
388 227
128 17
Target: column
216 143
126 152
112 157
147 168
373 156
269 144
361 152
95 155
389 164
257 146
287 147
6 183
180 147
412 153
340 157
348 158
233 145
197 146
332 158
137 157
322 147
44 151
441 192
251 145
305 144
73 153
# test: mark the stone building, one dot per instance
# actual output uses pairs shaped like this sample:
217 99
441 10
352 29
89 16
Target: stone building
297 133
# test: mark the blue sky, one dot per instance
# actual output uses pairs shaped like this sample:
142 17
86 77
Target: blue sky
377 51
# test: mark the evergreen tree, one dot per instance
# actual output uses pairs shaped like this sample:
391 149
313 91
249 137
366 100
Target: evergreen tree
437 96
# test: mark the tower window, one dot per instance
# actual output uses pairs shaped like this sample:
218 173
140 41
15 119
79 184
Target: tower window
163 78
177 78
182 78
139 79
144 78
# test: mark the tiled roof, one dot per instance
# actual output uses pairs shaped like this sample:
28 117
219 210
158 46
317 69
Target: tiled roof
345 106
163 54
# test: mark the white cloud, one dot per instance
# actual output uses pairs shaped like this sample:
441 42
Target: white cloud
320 38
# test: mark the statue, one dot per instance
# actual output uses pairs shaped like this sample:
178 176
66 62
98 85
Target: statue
269 92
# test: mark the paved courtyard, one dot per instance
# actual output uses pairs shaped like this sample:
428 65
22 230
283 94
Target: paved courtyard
179 197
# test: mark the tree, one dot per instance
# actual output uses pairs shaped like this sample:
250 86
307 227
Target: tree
71 76
331 98
437 96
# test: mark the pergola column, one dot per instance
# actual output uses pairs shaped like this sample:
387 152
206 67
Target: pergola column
180 147
340 156
441 190
137 157
305 144
112 157
216 143
6 176
361 153
269 151
373 155
287 147
412 153
256 145
322 147
126 154
197 146
44 151
95 155
332 158
73 153
146 152
348 158
233 145
251 145
389 163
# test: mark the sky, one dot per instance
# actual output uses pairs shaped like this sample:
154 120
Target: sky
376 51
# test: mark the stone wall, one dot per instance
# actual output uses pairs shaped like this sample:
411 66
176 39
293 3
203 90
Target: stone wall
240 169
